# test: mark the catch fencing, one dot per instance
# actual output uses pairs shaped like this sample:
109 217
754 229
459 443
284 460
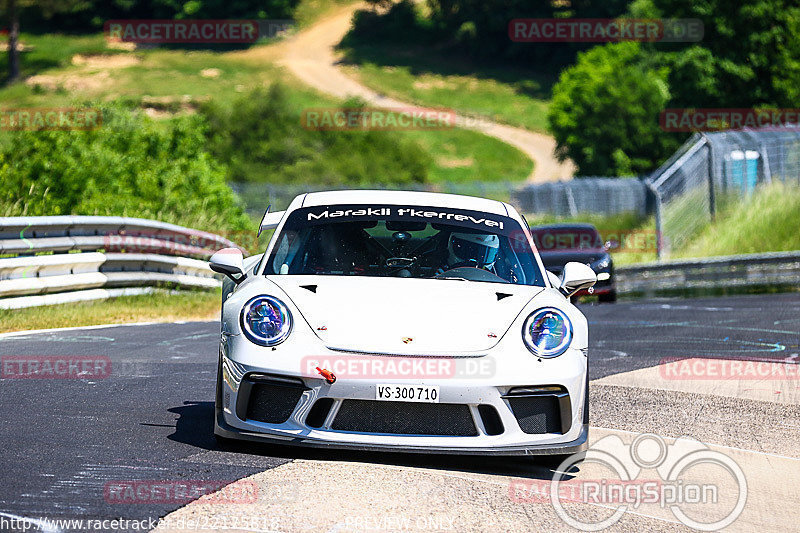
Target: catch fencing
257 196
572 198
714 168
587 195
61 259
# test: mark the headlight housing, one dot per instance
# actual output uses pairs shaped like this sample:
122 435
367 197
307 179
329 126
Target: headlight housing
601 263
266 321
547 332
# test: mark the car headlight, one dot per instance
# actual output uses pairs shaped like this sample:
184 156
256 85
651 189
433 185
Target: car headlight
601 263
547 332
266 321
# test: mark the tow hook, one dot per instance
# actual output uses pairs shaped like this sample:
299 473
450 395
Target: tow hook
327 374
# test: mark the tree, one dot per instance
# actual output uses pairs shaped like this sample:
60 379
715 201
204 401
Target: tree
749 55
48 9
604 113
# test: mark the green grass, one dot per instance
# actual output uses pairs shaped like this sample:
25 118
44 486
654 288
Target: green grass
310 11
42 52
768 221
409 61
167 81
160 306
462 156
423 80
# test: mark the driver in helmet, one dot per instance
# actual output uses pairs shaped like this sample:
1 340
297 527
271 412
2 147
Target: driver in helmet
475 250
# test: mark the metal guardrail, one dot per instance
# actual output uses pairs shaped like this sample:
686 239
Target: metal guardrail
776 269
61 276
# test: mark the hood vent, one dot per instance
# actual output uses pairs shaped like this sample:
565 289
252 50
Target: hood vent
501 295
312 288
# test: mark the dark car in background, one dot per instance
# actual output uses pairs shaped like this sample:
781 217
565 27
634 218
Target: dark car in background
558 244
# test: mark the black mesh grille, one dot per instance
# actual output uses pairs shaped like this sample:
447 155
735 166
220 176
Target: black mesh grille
273 403
537 414
316 417
405 418
491 419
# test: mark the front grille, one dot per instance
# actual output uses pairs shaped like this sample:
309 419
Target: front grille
316 417
273 402
537 414
405 418
491 419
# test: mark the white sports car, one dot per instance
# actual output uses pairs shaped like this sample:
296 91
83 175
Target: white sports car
402 321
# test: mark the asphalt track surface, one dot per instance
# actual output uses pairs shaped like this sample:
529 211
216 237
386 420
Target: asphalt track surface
63 440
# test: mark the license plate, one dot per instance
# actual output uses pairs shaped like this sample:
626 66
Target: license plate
407 393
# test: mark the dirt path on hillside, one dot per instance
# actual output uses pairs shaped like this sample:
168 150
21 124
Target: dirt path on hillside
310 56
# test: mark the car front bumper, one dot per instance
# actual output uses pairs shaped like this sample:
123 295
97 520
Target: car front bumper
546 397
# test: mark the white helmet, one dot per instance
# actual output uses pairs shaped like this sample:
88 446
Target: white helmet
477 247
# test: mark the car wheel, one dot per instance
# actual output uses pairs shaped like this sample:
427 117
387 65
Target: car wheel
609 297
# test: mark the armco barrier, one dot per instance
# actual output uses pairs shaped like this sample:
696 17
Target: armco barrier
776 269
28 279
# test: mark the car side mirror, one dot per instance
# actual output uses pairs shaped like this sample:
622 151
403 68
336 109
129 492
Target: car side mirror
229 261
555 281
575 277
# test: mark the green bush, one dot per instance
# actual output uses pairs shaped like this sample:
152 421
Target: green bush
130 166
260 137
604 113
398 24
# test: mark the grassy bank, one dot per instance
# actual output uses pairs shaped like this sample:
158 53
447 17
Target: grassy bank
401 53
765 222
160 306
514 98
82 71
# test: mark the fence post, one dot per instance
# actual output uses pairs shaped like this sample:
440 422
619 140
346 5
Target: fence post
712 203
659 234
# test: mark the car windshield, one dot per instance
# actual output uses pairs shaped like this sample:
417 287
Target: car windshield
406 242
565 238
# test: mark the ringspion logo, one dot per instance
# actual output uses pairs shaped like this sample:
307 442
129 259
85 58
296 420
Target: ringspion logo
685 477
